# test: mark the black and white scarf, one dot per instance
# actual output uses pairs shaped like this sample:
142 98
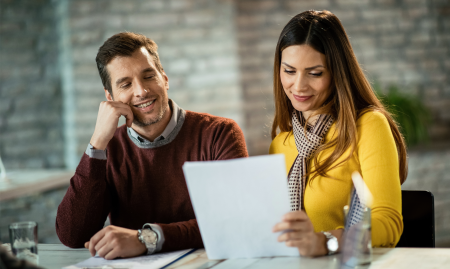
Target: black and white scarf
307 144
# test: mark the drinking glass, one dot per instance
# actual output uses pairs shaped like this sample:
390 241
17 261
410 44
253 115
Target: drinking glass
24 240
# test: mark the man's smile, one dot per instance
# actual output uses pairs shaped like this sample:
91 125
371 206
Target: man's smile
144 105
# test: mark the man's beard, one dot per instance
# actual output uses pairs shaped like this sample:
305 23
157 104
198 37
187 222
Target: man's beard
141 123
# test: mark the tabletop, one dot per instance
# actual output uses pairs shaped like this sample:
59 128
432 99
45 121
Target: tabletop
55 256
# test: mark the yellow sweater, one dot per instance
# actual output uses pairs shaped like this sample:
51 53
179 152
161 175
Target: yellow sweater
376 159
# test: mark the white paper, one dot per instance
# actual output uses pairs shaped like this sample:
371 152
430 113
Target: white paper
155 261
364 194
237 203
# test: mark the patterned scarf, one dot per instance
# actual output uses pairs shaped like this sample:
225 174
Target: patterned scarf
307 143
306 146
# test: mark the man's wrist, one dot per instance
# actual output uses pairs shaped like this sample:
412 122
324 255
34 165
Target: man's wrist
98 144
141 245
95 153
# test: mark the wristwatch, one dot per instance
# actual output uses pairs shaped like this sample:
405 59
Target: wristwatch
148 237
332 243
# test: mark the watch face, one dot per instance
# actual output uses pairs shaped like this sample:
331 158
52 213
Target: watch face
149 236
332 244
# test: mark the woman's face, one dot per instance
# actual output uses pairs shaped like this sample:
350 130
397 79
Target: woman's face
305 77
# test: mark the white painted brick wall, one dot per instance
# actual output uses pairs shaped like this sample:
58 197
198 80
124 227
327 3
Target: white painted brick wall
196 45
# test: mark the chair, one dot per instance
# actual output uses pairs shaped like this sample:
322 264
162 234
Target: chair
418 219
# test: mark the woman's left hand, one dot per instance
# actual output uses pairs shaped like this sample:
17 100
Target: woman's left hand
299 233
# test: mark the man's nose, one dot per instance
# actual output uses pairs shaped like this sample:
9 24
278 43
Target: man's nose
140 90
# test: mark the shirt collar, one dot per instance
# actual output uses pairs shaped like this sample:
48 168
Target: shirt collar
169 128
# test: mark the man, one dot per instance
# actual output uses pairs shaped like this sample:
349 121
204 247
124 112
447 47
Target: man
134 173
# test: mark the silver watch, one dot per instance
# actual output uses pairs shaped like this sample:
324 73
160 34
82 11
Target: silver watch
332 243
148 237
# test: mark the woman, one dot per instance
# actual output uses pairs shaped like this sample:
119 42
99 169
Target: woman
331 124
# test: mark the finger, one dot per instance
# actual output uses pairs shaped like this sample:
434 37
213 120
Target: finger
303 246
114 253
294 243
291 225
295 215
114 105
125 110
95 239
103 251
105 240
86 245
291 236
129 117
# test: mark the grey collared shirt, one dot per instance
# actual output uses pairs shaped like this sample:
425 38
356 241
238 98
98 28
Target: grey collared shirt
101 154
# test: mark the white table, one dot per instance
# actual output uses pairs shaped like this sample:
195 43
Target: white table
55 256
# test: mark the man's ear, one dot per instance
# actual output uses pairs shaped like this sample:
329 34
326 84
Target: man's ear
166 79
108 95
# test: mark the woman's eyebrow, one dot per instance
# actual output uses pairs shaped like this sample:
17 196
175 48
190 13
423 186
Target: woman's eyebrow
308 68
290 66
312 67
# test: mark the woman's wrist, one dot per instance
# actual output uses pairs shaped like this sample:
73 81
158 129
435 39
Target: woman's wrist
321 248
321 245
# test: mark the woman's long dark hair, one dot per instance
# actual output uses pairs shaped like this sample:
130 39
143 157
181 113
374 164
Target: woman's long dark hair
351 94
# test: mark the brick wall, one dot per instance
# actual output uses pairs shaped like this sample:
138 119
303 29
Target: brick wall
30 96
218 55
196 46
401 42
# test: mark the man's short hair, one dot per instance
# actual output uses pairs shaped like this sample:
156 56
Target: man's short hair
123 44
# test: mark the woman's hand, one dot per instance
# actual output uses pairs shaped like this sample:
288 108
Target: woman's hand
299 232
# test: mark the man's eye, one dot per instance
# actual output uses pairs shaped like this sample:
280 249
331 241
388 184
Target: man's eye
316 74
149 77
125 85
289 71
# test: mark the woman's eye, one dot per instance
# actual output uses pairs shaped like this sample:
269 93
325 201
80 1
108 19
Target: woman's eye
316 74
149 77
289 71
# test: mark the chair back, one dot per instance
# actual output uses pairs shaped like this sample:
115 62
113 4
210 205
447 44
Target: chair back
418 219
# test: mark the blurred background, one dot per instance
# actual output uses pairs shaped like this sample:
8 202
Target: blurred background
218 55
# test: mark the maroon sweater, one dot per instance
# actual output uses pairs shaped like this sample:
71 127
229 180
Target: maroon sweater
145 185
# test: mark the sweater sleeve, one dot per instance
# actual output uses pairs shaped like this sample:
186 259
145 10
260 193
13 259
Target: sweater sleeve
181 235
380 169
227 143
84 208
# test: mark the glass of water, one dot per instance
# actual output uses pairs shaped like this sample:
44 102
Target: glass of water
24 240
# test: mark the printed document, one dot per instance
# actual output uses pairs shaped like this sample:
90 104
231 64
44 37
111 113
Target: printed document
153 261
237 203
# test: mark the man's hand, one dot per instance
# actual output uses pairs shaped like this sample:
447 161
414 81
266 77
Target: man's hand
107 120
112 242
299 233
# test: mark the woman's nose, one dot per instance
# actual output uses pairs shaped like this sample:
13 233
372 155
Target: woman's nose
300 83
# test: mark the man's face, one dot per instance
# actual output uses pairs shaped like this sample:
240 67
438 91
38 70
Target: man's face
136 81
